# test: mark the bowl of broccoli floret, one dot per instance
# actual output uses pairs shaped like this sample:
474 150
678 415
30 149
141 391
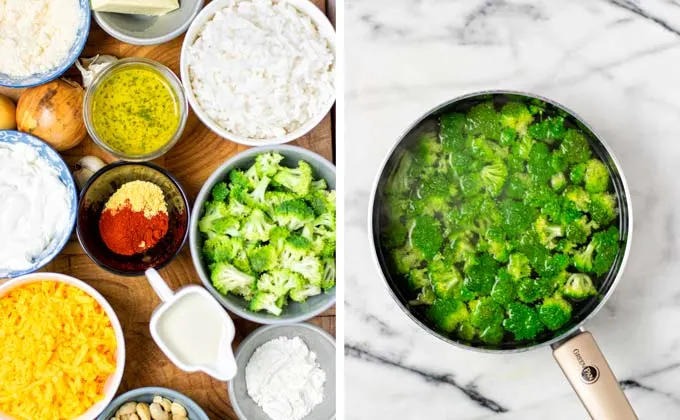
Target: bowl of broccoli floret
262 234
500 221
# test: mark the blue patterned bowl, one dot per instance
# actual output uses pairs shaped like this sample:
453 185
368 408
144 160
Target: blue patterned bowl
74 53
53 158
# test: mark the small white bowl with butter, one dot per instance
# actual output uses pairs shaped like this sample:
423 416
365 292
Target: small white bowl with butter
192 329
145 22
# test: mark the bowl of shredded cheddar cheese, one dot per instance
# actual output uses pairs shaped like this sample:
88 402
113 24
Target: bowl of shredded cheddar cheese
62 351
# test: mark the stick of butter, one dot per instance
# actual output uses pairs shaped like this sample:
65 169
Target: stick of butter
136 7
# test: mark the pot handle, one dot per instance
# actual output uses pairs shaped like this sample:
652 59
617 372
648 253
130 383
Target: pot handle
591 377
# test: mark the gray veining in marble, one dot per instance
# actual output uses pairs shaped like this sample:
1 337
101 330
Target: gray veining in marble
617 64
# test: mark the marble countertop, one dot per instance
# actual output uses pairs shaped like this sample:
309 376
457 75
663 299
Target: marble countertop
617 64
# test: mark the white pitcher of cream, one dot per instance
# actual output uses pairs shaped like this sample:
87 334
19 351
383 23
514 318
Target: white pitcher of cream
192 329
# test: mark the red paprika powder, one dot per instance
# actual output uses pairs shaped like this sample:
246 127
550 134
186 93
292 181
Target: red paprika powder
134 219
128 232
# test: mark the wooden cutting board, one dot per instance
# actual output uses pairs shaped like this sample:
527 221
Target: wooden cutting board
191 161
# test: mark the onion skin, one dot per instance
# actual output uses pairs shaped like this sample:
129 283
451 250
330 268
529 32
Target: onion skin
8 111
54 113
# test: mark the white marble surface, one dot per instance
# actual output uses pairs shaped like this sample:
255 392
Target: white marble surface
617 64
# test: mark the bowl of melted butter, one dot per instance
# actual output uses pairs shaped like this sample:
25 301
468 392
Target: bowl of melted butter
135 109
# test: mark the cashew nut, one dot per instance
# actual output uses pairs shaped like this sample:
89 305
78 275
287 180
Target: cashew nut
143 411
166 404
126 409
157 412
133 416
178 410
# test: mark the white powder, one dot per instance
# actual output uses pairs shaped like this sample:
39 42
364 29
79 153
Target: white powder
261 69
284 378
36 35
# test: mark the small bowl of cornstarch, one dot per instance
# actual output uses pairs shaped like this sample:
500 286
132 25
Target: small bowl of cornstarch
260 72
40 39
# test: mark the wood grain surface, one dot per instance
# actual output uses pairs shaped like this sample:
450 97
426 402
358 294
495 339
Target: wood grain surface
191 161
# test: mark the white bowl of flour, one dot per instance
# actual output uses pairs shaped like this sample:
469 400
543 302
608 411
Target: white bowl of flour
260 72
285 372
40 39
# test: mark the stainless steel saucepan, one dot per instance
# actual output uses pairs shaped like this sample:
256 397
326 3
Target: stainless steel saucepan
574 349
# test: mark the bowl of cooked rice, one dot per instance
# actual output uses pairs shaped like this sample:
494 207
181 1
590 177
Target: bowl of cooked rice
62 351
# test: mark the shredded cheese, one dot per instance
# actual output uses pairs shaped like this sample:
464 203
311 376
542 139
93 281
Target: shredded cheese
57 350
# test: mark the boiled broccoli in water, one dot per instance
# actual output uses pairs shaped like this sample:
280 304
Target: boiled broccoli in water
269 234
495 221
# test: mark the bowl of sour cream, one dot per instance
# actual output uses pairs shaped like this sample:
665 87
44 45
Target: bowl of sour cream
39 201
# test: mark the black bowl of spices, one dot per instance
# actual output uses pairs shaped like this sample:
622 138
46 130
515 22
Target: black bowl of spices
131 217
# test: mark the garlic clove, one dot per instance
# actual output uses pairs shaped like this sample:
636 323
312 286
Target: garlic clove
91 67
85 168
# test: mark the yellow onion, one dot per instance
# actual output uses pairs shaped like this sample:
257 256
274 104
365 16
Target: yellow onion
54 113
8 114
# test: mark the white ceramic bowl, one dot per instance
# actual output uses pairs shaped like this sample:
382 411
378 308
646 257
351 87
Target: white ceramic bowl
111 386
325 28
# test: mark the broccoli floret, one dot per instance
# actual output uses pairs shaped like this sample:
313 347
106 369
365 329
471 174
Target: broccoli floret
557 161
580 229
298 179
406 258
308 266
518 185
226 278
493 178
558 182
213 210
583 260
428 150
447 314
237 178
487 151
480 276
466 331
579 286
553 264
485 313
426 236
519 267
522 321
470 184
293 214
267 164
425 297
547 233
539 163
515 115
264 301
328 279
522 149
446 280
461 163
606 250
452 132
308 290
575 147
494 243
549 130
492 334
461 251
579 197
504 289
554 312
259 193
279 282
483 120
541 195
596 178
220 248
531 290
516 217
220 191
508 138
577 174
602 208
256 226
263 258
